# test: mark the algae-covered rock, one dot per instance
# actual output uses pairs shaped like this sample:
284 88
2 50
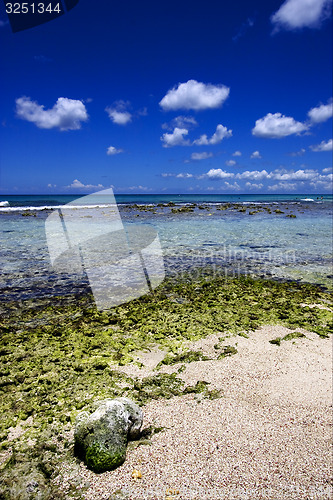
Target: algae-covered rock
101 437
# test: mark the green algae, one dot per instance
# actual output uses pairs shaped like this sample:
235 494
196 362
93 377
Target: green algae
184 357
289 336
228 350
98 459
58 358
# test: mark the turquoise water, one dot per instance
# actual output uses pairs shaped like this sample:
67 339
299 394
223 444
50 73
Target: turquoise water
54 200
229 241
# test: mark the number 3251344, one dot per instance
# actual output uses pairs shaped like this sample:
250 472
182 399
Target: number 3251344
32 8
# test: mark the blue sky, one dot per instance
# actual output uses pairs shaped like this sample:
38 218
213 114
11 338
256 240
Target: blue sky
176 97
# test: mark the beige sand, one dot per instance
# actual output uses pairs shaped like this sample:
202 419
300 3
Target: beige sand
268 437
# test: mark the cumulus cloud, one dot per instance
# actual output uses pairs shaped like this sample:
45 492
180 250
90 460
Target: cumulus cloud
201 156
184 176
237 153
321 113
232 187
297 14
250 185
323 182
76 184
254 175
323 146
322 185
181 122
218 173
176 138
119 117
66 114
327 170
276 126
283 186
118 113
230 163
195 95
299 175
256 154
220 133
113 151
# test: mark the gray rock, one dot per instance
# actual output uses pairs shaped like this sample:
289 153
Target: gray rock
101 437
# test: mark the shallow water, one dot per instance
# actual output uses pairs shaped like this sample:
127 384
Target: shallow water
228 241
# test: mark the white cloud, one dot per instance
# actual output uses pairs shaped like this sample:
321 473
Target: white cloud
217 173
322 181
176 138
119 117
283 186
118 113
66 114
220 133
325 185
113 151
184 176
296 14
256 154
76 184
201 156
254 175
237 153
327 170
195 95
250 185
232 187
321 113
51 185
299 175
275 126
230 163
181 122
323 146
139 188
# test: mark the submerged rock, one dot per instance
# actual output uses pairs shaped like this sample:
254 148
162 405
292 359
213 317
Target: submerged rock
101 437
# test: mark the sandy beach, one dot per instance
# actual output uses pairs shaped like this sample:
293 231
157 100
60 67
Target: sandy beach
233 377
268 437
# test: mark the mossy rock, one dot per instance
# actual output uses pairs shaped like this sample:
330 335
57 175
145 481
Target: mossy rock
101 437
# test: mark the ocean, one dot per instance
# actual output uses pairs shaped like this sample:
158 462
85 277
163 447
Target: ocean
283 237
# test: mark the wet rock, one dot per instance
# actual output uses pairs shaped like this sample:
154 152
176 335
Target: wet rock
101 437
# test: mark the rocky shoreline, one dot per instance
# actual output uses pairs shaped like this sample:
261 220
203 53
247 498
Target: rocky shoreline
58 358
